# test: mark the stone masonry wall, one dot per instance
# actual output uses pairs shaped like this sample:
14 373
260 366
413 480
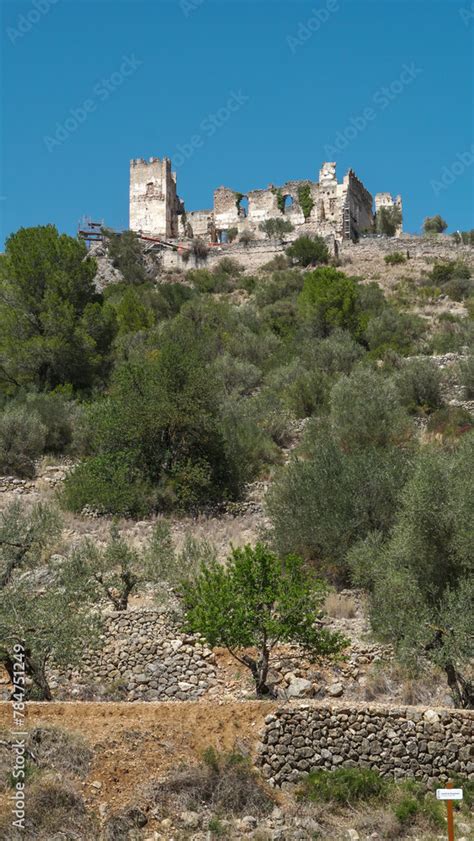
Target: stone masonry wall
142 649
399 742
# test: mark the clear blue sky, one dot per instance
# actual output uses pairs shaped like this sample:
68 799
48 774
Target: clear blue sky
384 87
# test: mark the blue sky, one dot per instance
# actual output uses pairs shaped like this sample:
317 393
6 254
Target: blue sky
241 93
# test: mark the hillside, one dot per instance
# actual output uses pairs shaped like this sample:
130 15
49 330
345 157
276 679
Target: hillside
164 418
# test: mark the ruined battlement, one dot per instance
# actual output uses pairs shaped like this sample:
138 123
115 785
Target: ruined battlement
326 207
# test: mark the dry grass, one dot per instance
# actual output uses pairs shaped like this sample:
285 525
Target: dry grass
340 607
55 810
55 749
226 783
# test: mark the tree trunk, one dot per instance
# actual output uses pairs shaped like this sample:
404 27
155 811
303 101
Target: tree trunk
462 690
37 672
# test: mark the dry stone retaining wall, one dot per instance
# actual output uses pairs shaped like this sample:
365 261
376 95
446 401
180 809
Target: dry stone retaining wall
143 651
428 745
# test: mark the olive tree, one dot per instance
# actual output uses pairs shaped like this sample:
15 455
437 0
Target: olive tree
257 601
421 582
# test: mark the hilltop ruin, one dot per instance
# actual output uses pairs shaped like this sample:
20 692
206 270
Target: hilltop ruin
342 210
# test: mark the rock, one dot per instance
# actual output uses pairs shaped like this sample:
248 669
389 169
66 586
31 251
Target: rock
431 717
352 835
335 690
299 688
248 823
190 820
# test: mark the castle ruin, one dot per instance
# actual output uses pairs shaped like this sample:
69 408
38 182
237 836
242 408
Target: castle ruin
325 207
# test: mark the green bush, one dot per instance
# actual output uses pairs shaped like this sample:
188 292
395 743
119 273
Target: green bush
388 220
365 411
450 422
308 251
22 440
328 300
343 786
337 354
203 280
395 258
466 369
434 225
392 330
419 386
110 483
126 254
444 271
276 228
325 501
452 334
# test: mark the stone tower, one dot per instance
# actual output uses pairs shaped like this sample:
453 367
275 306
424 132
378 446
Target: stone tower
153 199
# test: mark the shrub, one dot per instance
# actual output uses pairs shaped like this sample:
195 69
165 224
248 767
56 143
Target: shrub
419 386
466 369
56 810
395 258
337 354
278 263
226 783
365 411
307 251
199 249
58 750
410 802
328 300
276 228
344 786
450 422
246 237
444 271
109 483
459 288
126 254
388 220
305 199
22 440
392 330
232 234
228 266
434 225
203 280
55 411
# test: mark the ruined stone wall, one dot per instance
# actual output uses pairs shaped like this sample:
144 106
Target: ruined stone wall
153 199
399 742
360 204
200 222
438 247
